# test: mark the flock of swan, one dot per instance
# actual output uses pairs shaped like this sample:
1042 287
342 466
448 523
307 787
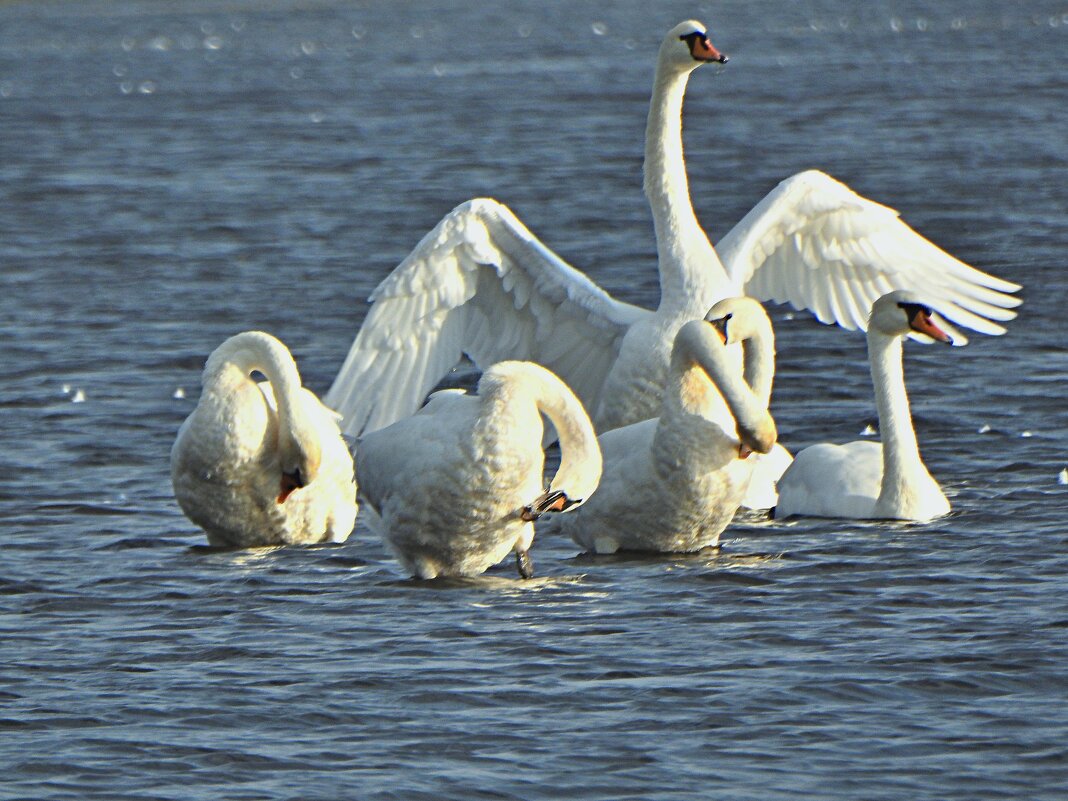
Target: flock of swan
679 394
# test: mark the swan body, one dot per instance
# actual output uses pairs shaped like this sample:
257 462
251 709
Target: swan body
481 284
262 464
864 479
455 488
673 483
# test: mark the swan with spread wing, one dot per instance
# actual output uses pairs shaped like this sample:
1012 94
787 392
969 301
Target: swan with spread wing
480 284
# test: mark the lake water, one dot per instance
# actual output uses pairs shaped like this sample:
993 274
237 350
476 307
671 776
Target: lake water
173 173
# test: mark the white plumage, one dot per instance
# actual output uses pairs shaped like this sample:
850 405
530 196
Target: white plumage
865 479
481 284
262 464
674 483
454 489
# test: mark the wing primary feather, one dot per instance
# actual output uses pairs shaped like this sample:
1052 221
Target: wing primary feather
479 283
815 243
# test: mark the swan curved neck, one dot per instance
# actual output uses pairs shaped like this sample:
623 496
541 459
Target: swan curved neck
580 453
691 275
241 356
901 453
579 450
759 350
701 362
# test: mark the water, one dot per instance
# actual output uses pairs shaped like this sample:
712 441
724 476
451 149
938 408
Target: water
175 173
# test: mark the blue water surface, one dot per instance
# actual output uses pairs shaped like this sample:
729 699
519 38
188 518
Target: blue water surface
173 173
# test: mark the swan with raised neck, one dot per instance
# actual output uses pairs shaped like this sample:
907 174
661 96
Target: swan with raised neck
691 275
871 480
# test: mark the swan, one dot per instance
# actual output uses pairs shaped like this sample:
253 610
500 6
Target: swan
456 487
864 479
673 483
481 285
257 465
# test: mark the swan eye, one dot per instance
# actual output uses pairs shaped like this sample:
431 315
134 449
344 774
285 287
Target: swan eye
693 38
919 317
914 310
289 483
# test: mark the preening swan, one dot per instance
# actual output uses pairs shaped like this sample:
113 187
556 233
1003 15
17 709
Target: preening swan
866 479
481 284
673 483
262 464
455 488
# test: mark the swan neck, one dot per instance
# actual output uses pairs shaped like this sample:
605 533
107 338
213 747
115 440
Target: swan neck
901 453
255 352
691 275
759 350
507 387
579 451
698 350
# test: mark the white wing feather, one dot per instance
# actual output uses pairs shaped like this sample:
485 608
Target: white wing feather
480 284
814 243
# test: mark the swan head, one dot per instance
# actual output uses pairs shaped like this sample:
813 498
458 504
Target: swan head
548 501
299 455
900 313
687 46
739 319
575 481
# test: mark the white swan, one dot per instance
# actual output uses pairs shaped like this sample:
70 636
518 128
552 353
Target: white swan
481 284
263 464
455 488
673 483
867 479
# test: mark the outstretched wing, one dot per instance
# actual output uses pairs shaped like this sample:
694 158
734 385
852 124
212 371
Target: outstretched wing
816 244
480 284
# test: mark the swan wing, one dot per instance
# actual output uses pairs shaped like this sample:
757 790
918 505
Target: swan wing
816 244
481 285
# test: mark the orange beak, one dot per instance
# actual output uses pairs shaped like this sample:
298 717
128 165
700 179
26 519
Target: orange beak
921 321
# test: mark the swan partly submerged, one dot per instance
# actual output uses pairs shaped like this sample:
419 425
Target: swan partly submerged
456 487
673 483
864 479
480 284
262 464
